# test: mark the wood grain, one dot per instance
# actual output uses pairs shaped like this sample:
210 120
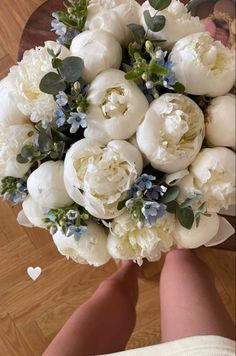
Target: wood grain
31 313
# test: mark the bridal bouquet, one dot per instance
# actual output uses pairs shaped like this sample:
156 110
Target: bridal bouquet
119 138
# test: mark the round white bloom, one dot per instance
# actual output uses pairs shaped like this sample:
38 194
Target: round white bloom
99 51
26 77
34 212
91 247
97 177
212 174
172 132
12 139
220 121
9 113
117 106
198 235
46 185
179 23
113 16
203 66
127 241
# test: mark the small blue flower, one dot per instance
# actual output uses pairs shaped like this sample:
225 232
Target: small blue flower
144 182
154 193
149 84
153 211
76 231
62 99
57 26
50 216
133 191
147 93
72 214
66 38
76 120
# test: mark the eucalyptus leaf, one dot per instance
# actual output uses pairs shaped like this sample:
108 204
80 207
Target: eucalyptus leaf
156 23
189 202
171 207
21 159
71 69
45 143
56 62
26 152
121 204
138 33
51 84
159 4
170 195
185 217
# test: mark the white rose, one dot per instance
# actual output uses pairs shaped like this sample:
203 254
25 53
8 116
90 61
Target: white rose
99 51
198 235
114 16
220 121
12 140
212 174
46 185
26 77
203 66
172 132
91 248
9 113
179 23
127 241
117 106
32 214
97 177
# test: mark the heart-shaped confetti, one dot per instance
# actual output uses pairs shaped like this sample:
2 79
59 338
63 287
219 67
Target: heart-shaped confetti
34 273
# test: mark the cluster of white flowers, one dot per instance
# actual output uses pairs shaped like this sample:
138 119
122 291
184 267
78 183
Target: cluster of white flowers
122 130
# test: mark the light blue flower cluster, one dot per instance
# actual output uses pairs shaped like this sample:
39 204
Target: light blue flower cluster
143 202
168 79
58 27
76 231
64 114
17 195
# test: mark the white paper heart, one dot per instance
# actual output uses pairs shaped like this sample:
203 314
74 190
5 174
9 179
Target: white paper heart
34 273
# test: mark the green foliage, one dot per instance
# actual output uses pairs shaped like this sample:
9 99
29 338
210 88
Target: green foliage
171 194
159 5
138 33
69 71
156 69
75 16
185 216
155 23
179 88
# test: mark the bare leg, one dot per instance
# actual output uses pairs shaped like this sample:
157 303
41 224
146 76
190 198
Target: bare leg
105 322
190 303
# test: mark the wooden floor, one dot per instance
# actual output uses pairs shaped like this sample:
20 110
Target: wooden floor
31 313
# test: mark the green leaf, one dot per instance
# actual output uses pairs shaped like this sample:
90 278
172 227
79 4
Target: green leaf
63 17
21 159
189 202
51 84
159 4
170 195
45 143
156 23
185 217
26 152
171 207
56 62
155 68
138 33
134 74
178 87
71 69
121 204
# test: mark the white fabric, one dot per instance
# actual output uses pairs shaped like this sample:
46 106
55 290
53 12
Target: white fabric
192 346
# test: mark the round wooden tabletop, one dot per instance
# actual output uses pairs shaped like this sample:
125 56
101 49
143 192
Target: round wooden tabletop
38 30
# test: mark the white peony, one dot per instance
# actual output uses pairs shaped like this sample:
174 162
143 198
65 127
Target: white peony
26 77
113 17
97 177
12 140
99 51
91 248
203 66
9 113
198 235
220 121
179 23
127 241
46 185
117 106
32 214
172 132
212 174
